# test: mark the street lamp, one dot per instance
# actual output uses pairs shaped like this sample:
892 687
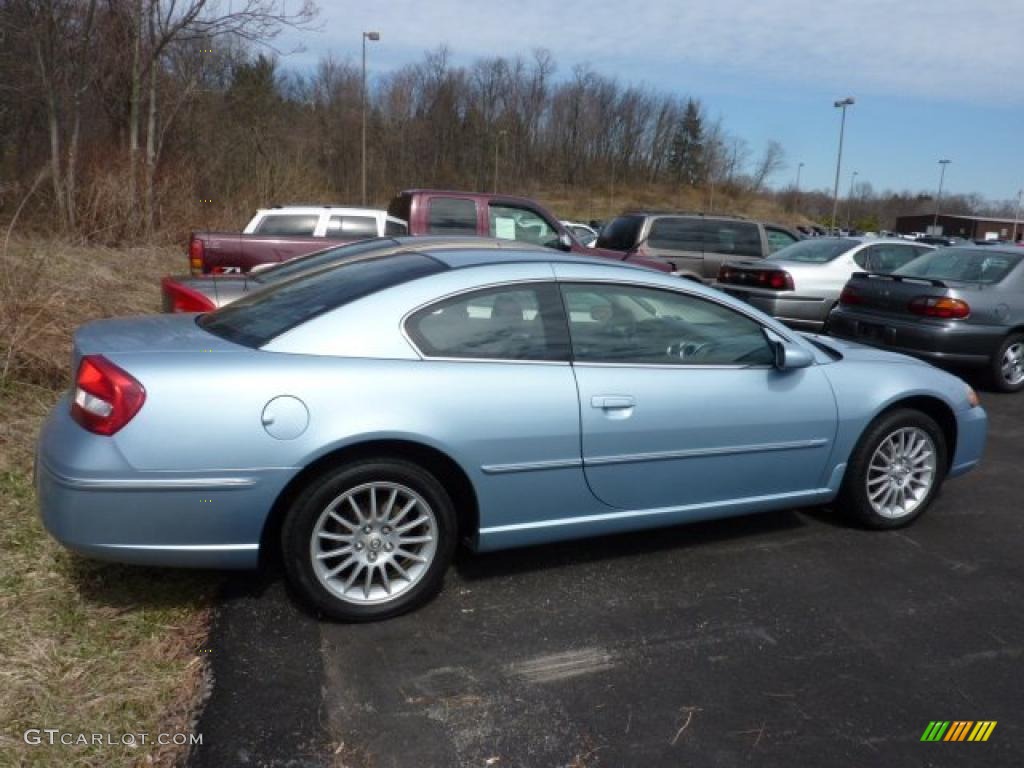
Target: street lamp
841 104
497 143
1016 216
373 36
849 201
799 168
938 197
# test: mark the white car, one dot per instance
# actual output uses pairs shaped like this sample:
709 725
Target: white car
324 221
581 232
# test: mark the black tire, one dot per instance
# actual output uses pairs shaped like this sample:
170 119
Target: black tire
854 498
310 505
996 377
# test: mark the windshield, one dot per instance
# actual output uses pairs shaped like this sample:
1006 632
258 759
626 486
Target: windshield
319 259
963 264
816 251
263 315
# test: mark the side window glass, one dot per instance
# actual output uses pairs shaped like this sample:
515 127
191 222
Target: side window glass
864 259
287 224
511 223
676 234
778 239
351 226
524 322
630 324
392 227
732 238
451 216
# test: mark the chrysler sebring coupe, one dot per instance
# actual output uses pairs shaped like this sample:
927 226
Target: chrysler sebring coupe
364 419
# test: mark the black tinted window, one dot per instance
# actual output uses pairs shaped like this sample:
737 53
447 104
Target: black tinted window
400 206
451 216
735 238
621 233
351 226
288 224
677 234
261 316
395 228
630 324
523 322
322 259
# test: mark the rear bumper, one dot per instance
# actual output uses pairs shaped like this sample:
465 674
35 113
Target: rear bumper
954 343
94 503
803 313
971 432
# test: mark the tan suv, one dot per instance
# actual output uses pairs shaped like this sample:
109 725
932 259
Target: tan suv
694 245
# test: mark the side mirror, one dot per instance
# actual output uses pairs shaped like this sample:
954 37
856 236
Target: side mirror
565 241
787 355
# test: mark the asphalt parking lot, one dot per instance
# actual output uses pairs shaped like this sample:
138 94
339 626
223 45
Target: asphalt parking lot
781 639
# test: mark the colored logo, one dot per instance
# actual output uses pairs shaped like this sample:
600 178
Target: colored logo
958 730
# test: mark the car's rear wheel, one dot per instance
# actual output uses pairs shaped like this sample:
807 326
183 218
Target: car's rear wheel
1007 366
369 540
895 470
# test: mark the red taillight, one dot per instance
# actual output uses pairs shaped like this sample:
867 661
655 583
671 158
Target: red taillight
780 281
850 298
777 279
940 306
726 275
181 298
196 255
106 397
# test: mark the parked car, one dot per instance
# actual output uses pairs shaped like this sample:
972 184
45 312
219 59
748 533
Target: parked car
365 418
692 245
940 240
206 292
800 284
956 306
284 232
583 232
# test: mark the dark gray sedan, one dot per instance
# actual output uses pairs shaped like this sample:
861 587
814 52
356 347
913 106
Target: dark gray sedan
959 306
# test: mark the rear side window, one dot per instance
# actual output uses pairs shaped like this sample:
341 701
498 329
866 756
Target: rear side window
392 227
621 233
513 322
451 216
676 234
259 317
732 238
351 226
288 224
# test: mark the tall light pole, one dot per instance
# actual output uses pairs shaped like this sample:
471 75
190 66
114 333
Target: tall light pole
799 168
1016 216
841 104
374 36
938 197
849 201
497 143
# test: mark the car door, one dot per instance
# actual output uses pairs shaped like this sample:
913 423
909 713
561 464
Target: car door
681 406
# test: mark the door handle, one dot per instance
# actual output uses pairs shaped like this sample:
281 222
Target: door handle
612 402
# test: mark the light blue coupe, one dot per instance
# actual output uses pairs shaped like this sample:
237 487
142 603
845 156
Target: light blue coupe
365 417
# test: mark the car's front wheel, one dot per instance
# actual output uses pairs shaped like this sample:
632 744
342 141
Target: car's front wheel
369 540
895 470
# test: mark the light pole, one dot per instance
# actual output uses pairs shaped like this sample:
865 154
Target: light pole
1016 216
374 36
841 104
799 168
849 201
938 197
497 143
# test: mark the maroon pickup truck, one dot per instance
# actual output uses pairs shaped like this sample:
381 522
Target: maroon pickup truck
426 212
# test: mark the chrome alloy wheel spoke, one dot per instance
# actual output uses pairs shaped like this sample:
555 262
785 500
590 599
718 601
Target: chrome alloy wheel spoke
1012 364
373 542
901 472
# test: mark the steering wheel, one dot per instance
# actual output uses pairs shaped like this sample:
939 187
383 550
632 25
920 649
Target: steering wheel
689 350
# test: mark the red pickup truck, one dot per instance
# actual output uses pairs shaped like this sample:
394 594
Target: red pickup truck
426 212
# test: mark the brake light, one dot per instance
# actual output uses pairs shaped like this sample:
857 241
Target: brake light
106 396
850 298
776 279
940 306
780 281
196 255
181 298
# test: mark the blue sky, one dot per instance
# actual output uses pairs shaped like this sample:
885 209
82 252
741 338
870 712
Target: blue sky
932 78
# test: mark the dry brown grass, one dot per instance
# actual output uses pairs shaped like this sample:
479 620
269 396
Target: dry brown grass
84 647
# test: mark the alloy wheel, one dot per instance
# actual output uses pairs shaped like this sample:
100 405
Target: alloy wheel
1012 364
901 472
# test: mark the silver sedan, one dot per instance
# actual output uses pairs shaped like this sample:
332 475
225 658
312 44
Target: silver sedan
800 284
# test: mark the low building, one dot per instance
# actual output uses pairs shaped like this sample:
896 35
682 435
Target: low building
969 227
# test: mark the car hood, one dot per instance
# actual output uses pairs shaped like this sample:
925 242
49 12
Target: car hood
851 350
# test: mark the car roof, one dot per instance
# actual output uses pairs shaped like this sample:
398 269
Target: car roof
457 259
